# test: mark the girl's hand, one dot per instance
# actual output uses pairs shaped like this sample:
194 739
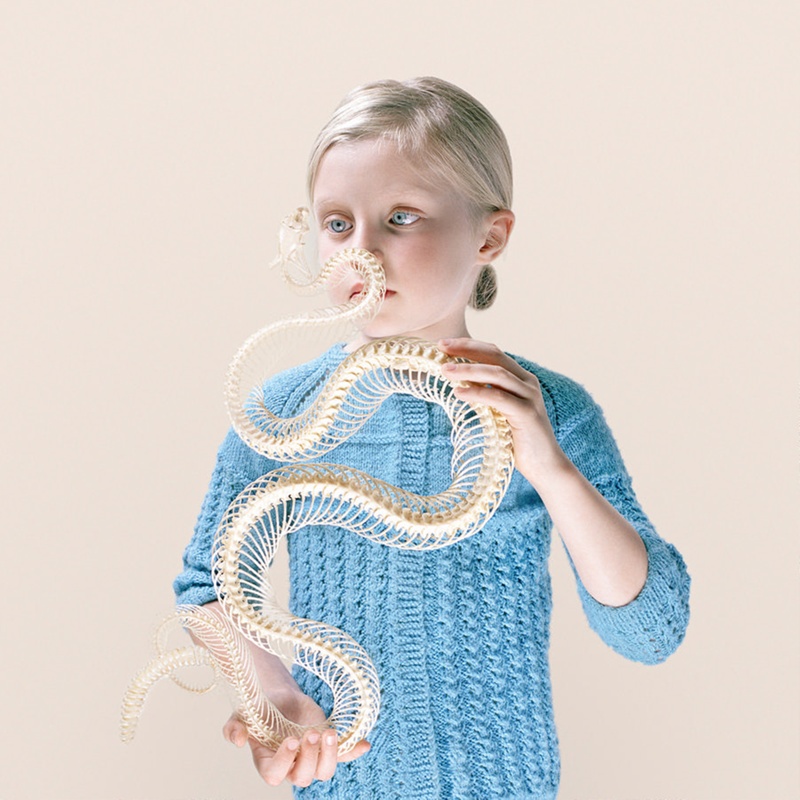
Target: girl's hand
314 757
606 549
496 380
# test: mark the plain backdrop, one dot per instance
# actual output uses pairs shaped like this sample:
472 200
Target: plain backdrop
148 151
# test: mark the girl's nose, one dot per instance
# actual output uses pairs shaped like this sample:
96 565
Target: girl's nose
368 239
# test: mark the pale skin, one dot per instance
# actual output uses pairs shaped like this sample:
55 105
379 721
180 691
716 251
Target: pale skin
432 247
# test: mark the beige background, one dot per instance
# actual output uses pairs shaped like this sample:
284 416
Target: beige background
148 152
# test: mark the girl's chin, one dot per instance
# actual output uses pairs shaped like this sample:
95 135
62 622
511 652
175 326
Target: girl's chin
380 327
369 334
385 325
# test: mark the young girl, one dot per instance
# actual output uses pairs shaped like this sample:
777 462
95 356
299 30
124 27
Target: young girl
419 173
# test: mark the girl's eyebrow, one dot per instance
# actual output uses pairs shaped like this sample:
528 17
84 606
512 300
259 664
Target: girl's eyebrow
406 198
324 203
402 193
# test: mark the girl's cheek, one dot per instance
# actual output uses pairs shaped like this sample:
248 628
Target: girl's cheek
335 295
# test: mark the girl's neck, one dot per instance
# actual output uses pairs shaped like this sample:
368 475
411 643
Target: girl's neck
361 338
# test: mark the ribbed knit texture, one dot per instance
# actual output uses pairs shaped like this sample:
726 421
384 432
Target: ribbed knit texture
459 636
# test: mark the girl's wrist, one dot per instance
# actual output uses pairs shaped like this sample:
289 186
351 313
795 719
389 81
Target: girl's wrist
546 471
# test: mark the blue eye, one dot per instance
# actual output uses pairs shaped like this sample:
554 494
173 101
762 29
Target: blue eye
337 225
404 218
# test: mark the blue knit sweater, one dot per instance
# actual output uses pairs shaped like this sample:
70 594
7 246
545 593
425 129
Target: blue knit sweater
460 635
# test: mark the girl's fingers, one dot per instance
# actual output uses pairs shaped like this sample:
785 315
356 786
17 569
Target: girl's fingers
314 757
509 405
274 766
491 375
362 747
483 353
305 765
465 345
326 765
235 731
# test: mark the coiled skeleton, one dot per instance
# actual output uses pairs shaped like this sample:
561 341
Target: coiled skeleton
298 494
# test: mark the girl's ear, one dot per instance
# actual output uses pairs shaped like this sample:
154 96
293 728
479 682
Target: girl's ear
498 227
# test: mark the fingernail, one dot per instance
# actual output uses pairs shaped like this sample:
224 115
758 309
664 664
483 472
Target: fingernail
445 342
330 739
292 744
449 366
313 738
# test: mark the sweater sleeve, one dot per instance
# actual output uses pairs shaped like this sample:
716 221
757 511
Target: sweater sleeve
653 624
236 467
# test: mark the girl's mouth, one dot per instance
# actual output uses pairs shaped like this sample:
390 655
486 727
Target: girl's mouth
359 289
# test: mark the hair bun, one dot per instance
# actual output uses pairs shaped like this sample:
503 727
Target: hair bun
485 289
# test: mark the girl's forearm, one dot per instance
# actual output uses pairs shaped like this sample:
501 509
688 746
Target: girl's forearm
276 681
605 548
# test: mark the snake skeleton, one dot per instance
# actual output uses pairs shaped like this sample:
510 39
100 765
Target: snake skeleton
299 494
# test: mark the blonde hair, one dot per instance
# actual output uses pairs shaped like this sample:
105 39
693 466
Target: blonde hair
437 125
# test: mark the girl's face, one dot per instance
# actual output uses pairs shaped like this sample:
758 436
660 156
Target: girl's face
367 195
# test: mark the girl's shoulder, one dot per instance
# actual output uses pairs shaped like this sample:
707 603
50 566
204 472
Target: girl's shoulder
579 425
565 398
